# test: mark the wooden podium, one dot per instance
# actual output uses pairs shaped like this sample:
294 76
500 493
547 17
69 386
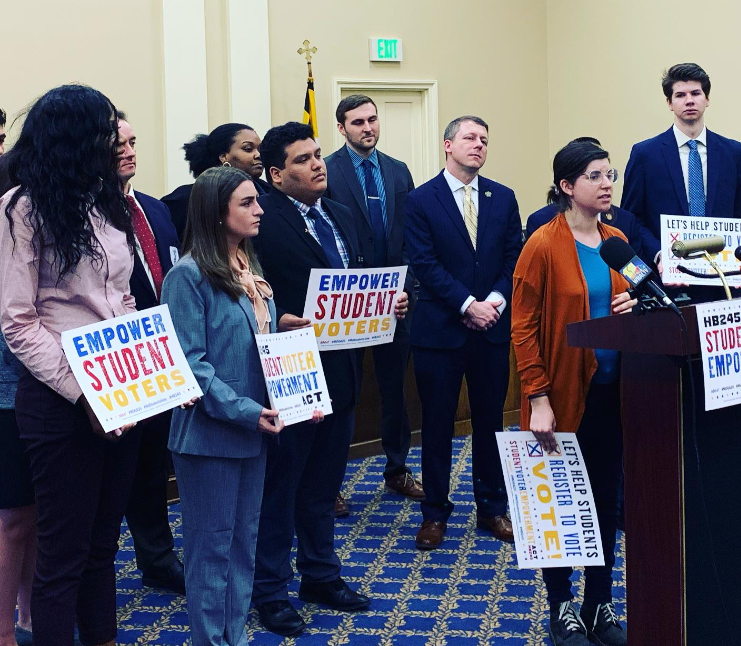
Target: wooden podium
676 596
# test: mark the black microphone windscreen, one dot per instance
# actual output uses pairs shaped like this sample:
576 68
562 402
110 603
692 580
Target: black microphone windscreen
737 253
616 253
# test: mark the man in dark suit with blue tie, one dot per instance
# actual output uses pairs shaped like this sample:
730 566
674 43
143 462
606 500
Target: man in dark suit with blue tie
687 170
157 250
374 187
301 230
463 236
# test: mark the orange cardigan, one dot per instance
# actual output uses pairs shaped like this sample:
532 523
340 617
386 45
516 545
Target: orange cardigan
550 292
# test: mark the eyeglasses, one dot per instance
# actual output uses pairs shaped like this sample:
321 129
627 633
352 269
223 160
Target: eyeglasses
596 176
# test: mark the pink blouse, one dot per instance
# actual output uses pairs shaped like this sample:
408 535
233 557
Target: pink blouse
35 310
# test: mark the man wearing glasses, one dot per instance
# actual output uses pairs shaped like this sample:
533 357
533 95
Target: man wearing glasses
686 170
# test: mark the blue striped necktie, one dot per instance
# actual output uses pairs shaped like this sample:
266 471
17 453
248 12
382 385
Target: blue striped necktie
695 181
375 210
326 239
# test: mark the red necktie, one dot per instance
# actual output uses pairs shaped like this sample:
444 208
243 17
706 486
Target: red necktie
146 242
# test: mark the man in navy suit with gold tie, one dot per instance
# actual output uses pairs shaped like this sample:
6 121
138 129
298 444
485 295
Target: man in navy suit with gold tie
686 170
463 236
374 187
157 250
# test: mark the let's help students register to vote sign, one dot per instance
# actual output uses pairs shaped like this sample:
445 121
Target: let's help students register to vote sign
131 367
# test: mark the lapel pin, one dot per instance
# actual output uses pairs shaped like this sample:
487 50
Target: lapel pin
488 193
608 216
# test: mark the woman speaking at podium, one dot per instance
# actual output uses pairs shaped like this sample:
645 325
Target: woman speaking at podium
559 279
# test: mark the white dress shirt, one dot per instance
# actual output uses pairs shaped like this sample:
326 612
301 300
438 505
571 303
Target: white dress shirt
684 156
457 189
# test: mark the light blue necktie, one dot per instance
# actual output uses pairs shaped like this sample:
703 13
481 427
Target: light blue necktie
695 181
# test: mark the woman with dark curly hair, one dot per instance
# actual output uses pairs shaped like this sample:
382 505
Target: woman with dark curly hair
66 245
230 144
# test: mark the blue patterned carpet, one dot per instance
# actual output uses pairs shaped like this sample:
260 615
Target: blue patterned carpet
468 593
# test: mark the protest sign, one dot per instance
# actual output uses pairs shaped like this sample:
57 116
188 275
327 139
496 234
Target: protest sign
550 501
719 327
131 367
353 308
294 375
685 228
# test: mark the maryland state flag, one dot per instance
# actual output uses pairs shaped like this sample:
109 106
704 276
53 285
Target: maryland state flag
310 107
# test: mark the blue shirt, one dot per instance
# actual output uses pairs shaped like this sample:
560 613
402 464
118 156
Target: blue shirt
311 227
357 162
599 285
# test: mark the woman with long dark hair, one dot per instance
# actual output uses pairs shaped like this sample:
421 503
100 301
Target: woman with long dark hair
560 278
66 244
220 305
230 144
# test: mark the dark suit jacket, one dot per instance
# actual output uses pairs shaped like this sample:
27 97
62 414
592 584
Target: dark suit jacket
165 236
448 268
343 187
177 203
654 183
288 252
618 218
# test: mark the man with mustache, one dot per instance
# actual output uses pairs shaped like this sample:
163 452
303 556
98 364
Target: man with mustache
301 230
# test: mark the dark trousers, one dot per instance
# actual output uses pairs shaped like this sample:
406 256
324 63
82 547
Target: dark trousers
390 363
82 484
600 437
146 512
304 472
439 375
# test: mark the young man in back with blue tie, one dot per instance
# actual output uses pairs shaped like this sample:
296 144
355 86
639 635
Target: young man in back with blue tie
686 170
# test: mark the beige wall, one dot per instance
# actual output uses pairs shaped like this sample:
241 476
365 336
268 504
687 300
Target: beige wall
605 64
539 71
488 60
114 47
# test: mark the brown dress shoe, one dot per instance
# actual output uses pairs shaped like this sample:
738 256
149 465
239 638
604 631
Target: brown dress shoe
340 507
430 535
405 485
500 526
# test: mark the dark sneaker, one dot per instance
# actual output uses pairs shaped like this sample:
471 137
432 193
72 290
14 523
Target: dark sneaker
566 627
602 624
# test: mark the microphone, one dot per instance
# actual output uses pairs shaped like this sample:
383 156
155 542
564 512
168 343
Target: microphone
619 256
737 253
688 248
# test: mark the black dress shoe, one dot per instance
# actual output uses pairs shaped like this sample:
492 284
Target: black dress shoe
281 618
334 594
170 578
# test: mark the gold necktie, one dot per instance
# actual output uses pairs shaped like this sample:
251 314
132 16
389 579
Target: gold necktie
470 215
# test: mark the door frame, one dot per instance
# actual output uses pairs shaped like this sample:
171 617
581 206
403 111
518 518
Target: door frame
428 90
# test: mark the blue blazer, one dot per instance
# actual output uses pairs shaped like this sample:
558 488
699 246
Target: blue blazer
343 187
618 218
218 338
166 238
448 268
654 183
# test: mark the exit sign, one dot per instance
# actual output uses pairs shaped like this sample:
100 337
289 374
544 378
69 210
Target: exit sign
385 49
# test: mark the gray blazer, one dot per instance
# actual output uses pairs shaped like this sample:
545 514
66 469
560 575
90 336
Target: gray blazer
218 338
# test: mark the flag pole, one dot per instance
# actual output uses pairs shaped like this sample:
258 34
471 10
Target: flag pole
309 102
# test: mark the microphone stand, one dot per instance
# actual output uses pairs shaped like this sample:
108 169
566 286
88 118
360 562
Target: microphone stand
718 270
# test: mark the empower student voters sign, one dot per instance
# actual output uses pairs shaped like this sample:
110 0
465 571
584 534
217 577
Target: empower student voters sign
719 327
550 502
685 228
131 367
353 308
294 375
